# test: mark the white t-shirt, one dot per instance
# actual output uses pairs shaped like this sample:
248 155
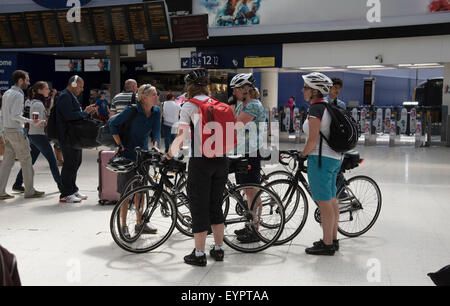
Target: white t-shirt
320 112
171 111
188 115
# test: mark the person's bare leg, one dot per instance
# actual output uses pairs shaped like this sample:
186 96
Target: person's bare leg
328 221
200 240
335 205
218 232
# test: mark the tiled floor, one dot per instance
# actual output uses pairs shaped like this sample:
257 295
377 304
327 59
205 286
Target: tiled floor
70 244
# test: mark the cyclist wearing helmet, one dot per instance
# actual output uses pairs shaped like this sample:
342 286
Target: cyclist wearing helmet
322 177
250 113
147 119
206 176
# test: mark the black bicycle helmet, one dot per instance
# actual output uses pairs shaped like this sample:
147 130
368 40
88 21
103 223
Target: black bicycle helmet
198 77
120 164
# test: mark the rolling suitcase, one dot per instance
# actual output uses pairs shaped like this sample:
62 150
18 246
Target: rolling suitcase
107 180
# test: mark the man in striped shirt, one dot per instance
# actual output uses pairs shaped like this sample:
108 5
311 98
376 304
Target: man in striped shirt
125 98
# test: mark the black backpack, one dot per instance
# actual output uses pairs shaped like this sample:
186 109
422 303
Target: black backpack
104 136
51 128
344 132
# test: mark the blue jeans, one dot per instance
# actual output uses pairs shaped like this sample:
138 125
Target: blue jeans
168 136
41 144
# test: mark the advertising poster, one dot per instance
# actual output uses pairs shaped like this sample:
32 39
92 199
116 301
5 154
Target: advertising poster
97 65
68 65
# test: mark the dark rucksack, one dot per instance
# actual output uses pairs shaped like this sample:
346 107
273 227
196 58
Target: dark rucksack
9 275
51 128
441 277
344 132
104 136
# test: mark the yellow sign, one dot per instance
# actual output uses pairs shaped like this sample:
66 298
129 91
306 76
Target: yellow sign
251 62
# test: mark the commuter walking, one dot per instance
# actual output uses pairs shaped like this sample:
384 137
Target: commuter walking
170 114
334 93
69 109
38 140
250 113
16 143
322 173
146 119
206 176
125 98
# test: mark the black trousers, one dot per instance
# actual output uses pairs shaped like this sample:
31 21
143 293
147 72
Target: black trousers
206 183
72 162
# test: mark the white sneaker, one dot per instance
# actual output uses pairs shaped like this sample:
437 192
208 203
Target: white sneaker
80 195
70 199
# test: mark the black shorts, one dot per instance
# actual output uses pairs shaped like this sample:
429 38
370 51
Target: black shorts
205 186
253 175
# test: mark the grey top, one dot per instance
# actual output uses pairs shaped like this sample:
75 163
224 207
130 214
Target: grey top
38 107
12 110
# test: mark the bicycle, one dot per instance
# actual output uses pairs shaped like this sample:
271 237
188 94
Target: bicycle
147 175
264 216
356 196
146 203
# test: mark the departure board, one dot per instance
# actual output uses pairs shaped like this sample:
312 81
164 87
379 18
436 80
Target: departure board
85 29
187 28
35 29
68 30
120 25
158 22
51 28
6 37
19 30
102 28
138 23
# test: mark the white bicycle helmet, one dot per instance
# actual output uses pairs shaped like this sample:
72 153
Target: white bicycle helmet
318 81
242 79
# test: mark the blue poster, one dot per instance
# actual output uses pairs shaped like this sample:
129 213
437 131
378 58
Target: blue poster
8 64
229 13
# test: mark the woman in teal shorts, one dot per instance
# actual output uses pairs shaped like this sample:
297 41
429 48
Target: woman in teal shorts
321 174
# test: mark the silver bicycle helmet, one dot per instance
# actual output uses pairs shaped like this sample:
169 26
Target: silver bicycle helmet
242 79
318 81
120 165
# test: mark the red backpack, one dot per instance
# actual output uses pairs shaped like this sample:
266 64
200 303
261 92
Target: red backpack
218 132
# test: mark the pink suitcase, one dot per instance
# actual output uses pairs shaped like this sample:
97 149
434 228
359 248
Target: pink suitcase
107 180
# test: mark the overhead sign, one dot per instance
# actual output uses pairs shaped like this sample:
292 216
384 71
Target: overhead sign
8 64
204 60
258 62
121 24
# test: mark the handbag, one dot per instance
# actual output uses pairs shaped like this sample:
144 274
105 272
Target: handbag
82 134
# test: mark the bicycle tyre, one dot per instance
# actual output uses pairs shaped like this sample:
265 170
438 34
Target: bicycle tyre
231 219
149 243
295 205
365 200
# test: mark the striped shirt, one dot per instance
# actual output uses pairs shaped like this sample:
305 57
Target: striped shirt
122 100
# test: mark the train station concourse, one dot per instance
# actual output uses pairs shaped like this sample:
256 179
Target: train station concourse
340 124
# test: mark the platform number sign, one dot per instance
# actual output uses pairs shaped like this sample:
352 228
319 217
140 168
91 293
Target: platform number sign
204 60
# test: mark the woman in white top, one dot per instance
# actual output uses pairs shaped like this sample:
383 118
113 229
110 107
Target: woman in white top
170 114
40 94
322 168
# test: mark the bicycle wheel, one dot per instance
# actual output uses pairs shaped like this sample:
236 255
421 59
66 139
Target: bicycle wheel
141 204
265 219
277 175
184 218
295 205
359 206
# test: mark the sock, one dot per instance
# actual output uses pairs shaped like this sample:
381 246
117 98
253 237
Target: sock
199 253
218 247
